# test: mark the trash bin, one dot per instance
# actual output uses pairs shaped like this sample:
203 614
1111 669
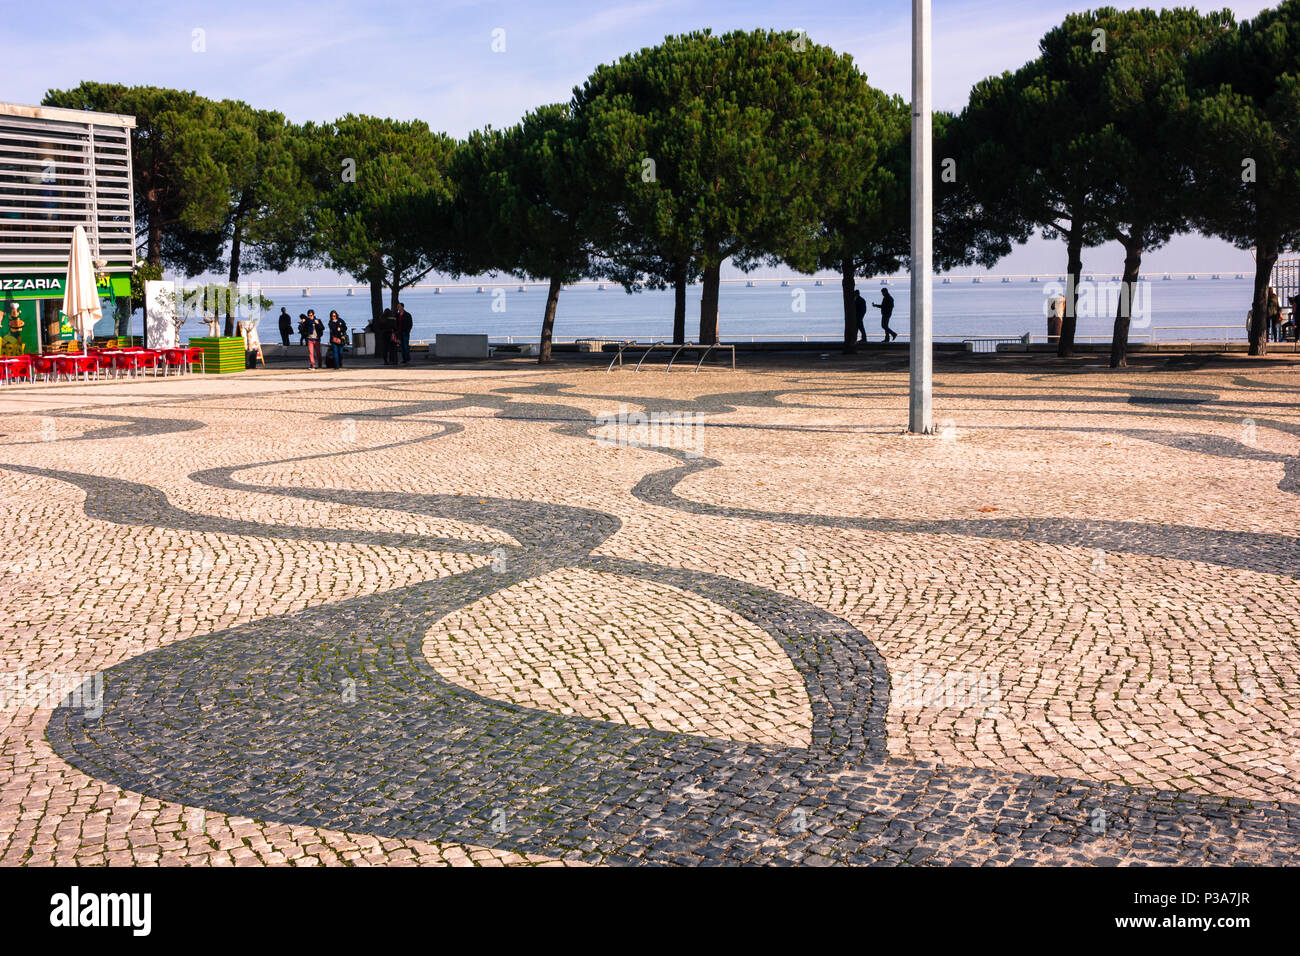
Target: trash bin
363 343
1055 316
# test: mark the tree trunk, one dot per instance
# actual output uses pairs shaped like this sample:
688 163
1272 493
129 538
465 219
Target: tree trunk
235 238
122 316
1123 314
1265 259
850 306
1073 270
709 304
396 286
679 302
376 279
153 251
548 322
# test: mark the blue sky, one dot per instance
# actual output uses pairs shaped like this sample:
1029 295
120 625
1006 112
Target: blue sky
434 61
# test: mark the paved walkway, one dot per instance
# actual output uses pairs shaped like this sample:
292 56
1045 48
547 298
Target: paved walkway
557 616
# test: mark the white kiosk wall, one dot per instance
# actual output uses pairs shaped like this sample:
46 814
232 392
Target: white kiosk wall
159 308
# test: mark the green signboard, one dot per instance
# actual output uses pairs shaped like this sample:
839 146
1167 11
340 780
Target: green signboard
45 285
19 333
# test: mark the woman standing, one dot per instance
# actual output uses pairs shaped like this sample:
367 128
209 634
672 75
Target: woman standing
338 335
312 329
388 337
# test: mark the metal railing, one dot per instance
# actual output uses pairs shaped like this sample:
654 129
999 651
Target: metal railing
1147 334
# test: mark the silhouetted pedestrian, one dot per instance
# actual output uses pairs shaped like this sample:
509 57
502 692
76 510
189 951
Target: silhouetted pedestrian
286 326
886 307
388 337
860 307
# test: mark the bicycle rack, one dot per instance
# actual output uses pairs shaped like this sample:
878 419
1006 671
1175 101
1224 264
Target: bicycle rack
684 345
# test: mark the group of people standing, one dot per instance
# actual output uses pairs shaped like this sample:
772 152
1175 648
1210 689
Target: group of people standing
392 332
1275 330
310 333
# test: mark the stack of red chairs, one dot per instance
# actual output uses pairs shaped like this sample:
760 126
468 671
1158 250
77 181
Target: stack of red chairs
18 366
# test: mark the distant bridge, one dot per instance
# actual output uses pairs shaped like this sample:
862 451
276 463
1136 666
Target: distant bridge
790 281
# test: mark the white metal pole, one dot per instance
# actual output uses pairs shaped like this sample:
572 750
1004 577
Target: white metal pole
920 413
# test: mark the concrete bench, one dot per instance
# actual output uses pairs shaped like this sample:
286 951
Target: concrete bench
461 345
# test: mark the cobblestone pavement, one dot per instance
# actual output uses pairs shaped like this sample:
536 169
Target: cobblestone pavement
514 615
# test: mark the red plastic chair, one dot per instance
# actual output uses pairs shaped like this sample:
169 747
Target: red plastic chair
149 358
178 357
195 354
42 365
122 362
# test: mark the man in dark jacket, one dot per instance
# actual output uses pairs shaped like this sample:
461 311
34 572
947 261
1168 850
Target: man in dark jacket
403 320
886 307
286 326
311 329
386 333
860 307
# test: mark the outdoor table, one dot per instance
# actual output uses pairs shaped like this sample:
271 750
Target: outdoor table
133 360
74 364
147 358
14 365
180 357
120 360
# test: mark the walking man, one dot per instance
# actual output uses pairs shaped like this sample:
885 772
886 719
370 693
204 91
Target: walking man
886 307
860 307
403 319
311 329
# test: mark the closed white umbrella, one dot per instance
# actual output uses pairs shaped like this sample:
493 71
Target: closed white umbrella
80 296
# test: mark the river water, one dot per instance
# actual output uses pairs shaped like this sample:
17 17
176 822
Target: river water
1175 309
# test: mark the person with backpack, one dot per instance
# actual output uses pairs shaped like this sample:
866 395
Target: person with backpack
311 329
338 336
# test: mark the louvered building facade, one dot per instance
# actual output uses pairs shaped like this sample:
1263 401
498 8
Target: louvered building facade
59 169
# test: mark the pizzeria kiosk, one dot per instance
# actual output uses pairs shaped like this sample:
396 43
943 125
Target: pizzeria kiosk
59 169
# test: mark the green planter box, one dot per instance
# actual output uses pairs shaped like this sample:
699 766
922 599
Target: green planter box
221 355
